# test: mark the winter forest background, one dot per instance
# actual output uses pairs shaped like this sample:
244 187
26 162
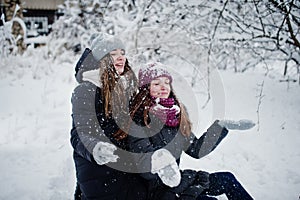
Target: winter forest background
232 59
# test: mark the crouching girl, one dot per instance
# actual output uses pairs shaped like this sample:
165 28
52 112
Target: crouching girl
161 131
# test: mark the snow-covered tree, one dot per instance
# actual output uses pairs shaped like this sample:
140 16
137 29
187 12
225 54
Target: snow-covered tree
227 34
73 30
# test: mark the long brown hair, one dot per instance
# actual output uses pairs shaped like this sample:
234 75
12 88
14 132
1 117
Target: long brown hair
142 100
115 95
113 91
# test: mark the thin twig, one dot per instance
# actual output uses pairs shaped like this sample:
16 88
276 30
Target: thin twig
209 53
260 97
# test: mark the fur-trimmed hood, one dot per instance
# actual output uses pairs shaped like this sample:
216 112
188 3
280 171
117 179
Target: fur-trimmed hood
87 65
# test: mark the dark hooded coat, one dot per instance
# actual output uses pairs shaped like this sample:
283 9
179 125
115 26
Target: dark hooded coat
90 125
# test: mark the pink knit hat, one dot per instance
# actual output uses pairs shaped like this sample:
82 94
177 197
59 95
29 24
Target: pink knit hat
151 71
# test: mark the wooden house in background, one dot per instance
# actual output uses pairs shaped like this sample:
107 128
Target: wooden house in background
38 15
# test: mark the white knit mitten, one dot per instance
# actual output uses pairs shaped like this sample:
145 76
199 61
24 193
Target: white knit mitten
164 164
243 124
103 153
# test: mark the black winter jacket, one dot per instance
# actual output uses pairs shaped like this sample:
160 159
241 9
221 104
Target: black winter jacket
90 126
148 140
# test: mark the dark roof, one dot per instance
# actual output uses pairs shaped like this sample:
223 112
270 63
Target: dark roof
41 4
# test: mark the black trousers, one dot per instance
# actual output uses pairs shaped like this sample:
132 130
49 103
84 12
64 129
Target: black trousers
225 183
201 185
219 183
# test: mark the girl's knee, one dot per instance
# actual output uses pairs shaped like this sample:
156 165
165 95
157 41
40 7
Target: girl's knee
227 175
222 177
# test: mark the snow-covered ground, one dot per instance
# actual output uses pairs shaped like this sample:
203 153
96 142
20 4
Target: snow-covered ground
36 155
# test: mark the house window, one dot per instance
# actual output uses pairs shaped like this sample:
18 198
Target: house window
36 26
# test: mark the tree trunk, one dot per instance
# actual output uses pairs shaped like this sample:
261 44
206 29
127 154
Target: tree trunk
17 31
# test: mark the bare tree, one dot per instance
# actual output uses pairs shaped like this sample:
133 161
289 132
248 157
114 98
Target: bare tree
268 30
231 34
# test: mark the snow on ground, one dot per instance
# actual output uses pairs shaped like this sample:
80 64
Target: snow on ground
36 155
265 161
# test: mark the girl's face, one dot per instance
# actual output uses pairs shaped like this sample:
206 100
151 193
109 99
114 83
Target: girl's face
160 87
119 59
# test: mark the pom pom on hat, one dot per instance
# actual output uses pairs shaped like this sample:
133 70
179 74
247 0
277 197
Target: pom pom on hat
102 44
151 71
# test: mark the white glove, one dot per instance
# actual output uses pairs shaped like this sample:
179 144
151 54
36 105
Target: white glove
164 164
103 153
243 124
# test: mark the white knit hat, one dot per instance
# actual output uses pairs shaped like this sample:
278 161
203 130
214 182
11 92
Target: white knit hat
103 43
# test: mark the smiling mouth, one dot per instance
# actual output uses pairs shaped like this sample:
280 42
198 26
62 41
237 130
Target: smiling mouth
163 93
119 65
